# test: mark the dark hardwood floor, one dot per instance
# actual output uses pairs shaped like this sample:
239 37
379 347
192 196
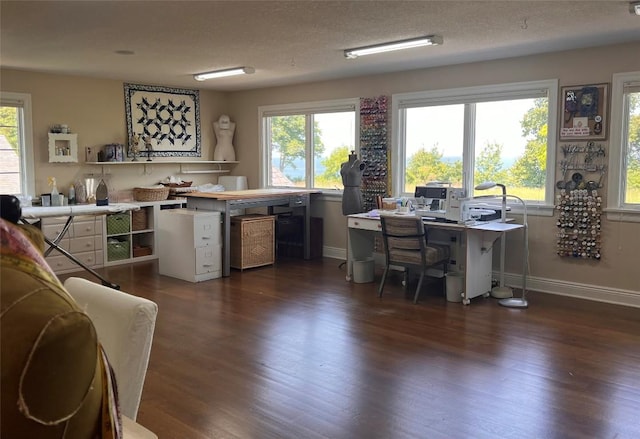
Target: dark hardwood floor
294 351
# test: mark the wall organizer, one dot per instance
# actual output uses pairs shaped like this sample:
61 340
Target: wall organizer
373 149
168 118
578 203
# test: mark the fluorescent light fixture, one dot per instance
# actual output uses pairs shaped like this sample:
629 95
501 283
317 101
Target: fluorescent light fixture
430 40
634 8
222 73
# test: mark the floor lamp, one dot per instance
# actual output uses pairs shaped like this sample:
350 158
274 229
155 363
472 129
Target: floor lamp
511 302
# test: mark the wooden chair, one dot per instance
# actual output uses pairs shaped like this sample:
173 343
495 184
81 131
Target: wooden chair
406 245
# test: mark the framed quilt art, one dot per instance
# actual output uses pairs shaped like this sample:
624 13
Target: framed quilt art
167 119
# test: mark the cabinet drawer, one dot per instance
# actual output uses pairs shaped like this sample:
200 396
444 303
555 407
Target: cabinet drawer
61 263
208 259
365 224
51 231
64 243
85 244
206 231
88 258
84 228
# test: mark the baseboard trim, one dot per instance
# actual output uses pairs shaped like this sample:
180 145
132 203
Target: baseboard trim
596 293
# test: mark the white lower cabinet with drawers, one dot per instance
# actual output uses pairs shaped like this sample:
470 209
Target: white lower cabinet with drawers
83 240
189 244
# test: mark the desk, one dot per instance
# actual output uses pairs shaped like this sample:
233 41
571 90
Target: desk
228 200
37 213
475 243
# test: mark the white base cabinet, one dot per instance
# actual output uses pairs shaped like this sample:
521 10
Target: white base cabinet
84 240
189 244
128 240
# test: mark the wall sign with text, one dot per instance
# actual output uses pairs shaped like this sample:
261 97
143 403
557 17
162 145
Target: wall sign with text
584 112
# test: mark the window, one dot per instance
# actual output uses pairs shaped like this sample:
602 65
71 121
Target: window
303 145
503 133
16 152
624 149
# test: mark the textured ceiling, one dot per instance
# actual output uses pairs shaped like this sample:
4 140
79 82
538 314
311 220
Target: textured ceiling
289 42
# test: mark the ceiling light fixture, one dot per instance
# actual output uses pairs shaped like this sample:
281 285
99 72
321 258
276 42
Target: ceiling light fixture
430 40
634 8
222 73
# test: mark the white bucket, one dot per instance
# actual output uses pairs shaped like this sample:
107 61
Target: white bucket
363 271
455 281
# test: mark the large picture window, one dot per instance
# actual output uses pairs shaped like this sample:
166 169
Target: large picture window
503 133
303 145
16 151
624 181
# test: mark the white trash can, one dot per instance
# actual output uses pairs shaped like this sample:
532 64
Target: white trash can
455 282
363 271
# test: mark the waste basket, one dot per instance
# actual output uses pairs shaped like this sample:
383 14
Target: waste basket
363 271
455 281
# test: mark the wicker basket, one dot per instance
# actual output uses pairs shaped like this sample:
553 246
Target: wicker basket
139 219
252 241
150 193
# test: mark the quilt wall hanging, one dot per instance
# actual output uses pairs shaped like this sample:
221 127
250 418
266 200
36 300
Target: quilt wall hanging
166 119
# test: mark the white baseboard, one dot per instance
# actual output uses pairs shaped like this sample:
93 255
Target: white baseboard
552 286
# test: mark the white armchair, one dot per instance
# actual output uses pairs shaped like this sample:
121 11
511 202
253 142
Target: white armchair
124 324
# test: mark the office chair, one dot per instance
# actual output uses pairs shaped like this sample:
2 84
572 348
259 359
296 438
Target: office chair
406 245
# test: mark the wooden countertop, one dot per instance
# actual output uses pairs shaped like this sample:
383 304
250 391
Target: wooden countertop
249 193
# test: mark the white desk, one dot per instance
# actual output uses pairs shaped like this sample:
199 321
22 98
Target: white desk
474 245
37 213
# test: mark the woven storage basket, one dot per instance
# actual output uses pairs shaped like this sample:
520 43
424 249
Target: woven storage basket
118 223
117 250
139 219
252 241
150 193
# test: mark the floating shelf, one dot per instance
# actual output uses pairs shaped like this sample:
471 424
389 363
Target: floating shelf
181 163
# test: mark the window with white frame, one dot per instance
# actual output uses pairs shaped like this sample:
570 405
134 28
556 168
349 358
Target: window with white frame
467 136
624 157
16 152
303 145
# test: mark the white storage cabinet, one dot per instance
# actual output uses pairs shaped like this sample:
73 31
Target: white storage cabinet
189 244
83 239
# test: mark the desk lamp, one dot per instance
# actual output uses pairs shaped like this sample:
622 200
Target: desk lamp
508 301
501 291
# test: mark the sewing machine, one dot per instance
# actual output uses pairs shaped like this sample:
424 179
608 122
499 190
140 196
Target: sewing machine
441 203
450 204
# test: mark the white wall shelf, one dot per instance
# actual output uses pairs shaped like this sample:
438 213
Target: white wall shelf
63 148
185 165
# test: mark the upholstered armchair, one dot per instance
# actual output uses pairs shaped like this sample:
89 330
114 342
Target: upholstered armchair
58 345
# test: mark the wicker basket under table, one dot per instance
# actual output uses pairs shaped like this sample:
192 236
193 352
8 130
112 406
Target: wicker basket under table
252 241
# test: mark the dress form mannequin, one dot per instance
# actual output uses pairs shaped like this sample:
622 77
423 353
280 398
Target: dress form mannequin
351 172
224 130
